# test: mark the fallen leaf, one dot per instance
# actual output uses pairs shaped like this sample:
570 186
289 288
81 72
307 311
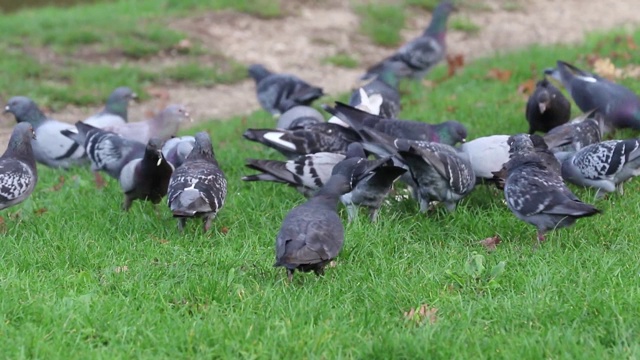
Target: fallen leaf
605 68
451 108
631 44
454 62
184 44
224 230
499 74
428 83
40 211
424 312
490 243
527 87
59 185
631 71
333 264
120 269
3 225
100 182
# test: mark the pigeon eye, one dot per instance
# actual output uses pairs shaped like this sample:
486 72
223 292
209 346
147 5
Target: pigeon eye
330 131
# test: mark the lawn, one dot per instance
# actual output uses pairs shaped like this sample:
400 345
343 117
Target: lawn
81 279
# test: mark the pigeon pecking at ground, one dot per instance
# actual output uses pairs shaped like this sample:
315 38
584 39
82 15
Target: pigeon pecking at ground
604 166
146 178
619 106
176 149
163 125
18 173
115 110
198 188
384 83
278 93
547 108
419 55
50 147
537 195
573 136
299 117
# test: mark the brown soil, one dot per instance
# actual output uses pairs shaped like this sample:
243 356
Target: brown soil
313 31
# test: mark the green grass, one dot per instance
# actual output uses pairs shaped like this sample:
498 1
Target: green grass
342 60
382 23
465 25
85 280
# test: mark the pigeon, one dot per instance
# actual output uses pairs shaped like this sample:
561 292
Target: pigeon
449 132
18 173
50 148
163 125
385 84
108 152
604 166
536 195
198 188
419 55
547 108
176 149
573 136
299 117
370 104
146 178
278 93
115 110
486 154
312 234
619 106
314 138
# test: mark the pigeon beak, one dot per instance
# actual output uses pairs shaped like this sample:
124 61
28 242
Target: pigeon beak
7 109
134 96
463 140
159 158
543 107
33 134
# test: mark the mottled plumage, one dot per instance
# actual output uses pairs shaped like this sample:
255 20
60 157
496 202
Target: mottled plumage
278 93
198 188
299 117
573 136
115 110
547 108
18 173
163 125
176 149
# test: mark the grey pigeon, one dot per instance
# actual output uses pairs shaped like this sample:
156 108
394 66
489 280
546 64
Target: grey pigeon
299 117
619 106
419 55
449 132
537 195
108 152
312 234
278 93
604 165
176 149
198 188
547 108
163 125
573 136
314 138
18 173
385 84
50 148
146 178
115 110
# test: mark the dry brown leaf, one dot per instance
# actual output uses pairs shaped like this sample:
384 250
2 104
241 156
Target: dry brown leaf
224 230
499 74
40 211
527 87
59 185
100 182
490 243
3 225
631 71
631 44
422 314
605 68
451 108
454 62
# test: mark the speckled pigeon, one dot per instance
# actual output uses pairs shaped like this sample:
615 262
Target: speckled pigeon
176 149
312 234
573 136
299 117
18 173
278 93
449 132
50 148
547 108
115 110
314 138
619 105
108 152
163 125
419 55
604 166
146 178
537 195
198 188
385 84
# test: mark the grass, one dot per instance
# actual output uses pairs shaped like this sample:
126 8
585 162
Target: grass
342 60
382 23
81 279
465 25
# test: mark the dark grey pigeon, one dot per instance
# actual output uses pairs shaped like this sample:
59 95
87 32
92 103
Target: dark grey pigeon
619 106
198 188
419 55
50 148
163 125
385 84
278 93
299 117
176 149
115 110
449 132
547 108
573 136
146 178
537 195
18 173
314 138
604 166
312 234
107 151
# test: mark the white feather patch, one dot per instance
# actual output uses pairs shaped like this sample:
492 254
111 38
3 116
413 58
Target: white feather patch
276 137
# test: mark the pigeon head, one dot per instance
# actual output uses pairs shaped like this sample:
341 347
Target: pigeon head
258 72
538 142
542 95
202 149
299 117
452 132
355 150
347 173
169 119
25 110
119 100
20 142
520 144
438 25
154 150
